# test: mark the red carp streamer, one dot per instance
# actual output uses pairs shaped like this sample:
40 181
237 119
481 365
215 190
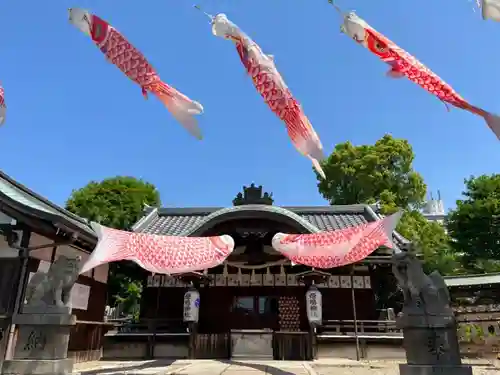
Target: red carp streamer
130 61
3 107
272 88
339 247
158 254
402 64
490 9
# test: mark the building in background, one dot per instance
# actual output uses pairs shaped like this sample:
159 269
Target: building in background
434 209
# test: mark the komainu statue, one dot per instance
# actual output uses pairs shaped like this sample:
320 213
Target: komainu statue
425 294
54 287
427 321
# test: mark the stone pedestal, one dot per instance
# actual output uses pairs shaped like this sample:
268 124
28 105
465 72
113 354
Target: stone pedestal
251 344
42 343
428 323
405 369
431 343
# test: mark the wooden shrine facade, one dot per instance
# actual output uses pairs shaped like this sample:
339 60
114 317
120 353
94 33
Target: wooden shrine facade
257 295
33 234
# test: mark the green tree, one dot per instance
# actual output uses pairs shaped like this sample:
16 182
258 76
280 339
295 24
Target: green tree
475 224
116 202
432 241
369 173
384 173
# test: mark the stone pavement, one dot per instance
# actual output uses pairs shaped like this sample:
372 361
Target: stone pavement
215 367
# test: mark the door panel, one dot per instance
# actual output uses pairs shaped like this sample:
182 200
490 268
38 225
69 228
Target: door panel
254 312
9 279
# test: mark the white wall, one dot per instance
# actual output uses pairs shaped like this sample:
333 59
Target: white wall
41 254
6 251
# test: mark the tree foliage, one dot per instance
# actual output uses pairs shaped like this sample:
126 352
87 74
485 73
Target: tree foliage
475 224
116 202
384 173
369 173
432 241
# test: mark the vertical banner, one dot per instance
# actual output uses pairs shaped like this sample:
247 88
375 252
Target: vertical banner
191 305
314 305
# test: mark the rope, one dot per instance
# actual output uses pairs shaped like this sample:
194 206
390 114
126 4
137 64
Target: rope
257 267
202 11
336 7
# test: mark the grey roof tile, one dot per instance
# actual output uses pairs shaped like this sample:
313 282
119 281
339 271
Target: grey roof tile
173 225
174 222
327 222
11 190
183 221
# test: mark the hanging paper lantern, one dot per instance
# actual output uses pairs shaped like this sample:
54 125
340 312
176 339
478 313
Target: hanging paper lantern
191 305
314 305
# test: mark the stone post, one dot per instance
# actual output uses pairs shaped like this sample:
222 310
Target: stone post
428 322
45 322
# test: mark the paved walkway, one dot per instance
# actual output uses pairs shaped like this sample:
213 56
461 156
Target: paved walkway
214 367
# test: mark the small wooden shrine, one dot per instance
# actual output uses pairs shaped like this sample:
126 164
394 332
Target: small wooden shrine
248 305
34 233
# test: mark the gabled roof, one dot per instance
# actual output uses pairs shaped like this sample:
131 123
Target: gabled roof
20 198
472 280
184 221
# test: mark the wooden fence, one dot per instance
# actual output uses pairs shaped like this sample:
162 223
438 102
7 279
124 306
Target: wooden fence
86 340
211 345
294 346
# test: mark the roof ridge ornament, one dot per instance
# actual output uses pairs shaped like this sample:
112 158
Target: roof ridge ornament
253 195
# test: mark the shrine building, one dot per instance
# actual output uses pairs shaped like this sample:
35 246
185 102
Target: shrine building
254 304
34 233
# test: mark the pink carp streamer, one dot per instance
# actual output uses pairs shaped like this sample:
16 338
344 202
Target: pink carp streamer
490 9
158 254
272 87
339 247
130 61
3 107
402 64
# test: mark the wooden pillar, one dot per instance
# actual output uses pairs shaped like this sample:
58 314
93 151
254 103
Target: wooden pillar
193 333
312 347
152 327
355 317
20 292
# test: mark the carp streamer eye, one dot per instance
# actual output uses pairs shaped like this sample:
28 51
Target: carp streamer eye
380 47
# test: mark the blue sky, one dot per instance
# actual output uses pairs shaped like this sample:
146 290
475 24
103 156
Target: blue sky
73 117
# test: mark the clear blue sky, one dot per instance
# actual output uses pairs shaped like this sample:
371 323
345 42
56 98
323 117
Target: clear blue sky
73 117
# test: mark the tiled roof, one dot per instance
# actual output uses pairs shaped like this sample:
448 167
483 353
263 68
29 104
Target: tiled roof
472 280
183 221
14 193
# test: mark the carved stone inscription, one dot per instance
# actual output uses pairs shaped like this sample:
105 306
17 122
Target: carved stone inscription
42 342
36 340
437 344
